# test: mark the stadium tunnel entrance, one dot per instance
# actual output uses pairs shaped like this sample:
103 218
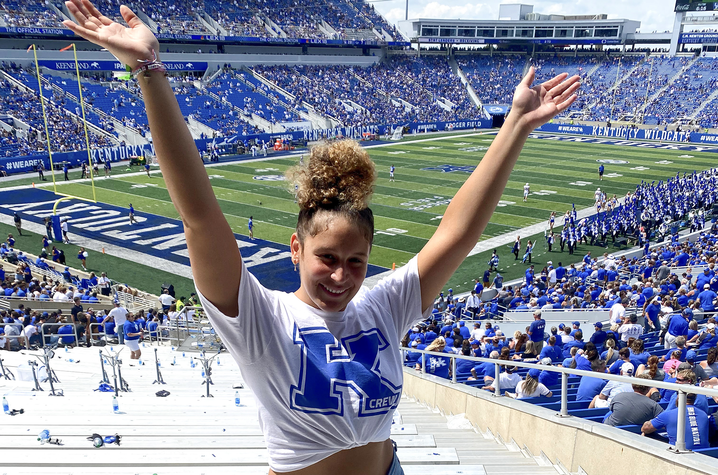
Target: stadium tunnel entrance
497 112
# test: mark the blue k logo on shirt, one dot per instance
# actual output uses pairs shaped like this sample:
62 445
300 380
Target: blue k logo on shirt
329 369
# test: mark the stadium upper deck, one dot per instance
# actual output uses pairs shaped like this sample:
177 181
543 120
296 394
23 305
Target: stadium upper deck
654 90
341 19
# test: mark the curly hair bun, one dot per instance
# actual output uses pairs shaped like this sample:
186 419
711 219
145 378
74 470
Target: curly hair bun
338 175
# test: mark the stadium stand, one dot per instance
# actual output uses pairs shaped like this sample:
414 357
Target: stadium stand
29 14
494 78
64 121
346 19
399 89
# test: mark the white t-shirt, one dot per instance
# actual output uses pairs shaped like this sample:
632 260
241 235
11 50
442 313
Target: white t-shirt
507 381
315 396
119 314
60 297
478 334
166 299
30 330
630 330
618 311
541 390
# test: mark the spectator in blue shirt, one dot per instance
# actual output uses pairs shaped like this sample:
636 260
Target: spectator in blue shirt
551 351
437 365
651 312
677 326
707 299
688 377
576 342
549 378
599 336
590 387
536 331
697 425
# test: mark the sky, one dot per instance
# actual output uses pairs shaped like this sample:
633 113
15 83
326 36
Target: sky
654 15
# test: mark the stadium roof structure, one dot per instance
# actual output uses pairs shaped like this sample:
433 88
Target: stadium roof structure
556 32
518 24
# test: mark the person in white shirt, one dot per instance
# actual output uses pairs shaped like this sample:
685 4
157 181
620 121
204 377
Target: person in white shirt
617 312
477 333
527 189
530 387
31 334
317 424
609 391
507 380
104 284
473 303
166 300
566 337
630 329
60 294
119 313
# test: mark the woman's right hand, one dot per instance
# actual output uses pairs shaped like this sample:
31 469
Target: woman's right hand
129 45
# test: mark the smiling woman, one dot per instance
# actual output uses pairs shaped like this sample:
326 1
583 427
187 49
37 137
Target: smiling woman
323 361
333 189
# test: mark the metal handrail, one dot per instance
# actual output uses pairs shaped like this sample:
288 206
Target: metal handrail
74 331
681 389
99 333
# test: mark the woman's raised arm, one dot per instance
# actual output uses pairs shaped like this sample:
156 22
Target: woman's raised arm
471 209
213 251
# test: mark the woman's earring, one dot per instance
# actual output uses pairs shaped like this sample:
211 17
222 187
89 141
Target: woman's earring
295 265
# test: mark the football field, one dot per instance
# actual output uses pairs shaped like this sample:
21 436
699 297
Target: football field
429 171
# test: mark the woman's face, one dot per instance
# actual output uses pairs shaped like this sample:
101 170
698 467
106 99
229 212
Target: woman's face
332 264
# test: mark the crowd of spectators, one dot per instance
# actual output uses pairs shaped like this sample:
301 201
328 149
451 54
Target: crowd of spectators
175 16
400 89
35 281
28 14
493 77
673 289
66 130
296 20
681 97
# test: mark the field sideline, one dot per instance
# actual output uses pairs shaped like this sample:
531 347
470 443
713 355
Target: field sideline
428 173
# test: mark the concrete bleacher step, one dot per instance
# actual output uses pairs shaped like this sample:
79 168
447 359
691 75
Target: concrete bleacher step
193 441
186 433
181 457
472 448
514 470
219 470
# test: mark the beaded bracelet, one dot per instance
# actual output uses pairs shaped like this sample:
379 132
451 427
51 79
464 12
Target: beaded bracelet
148 65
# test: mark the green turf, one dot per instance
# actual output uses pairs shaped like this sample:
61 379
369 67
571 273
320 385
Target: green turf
120 270
408 210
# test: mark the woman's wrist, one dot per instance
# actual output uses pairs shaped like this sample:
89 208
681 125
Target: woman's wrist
514 121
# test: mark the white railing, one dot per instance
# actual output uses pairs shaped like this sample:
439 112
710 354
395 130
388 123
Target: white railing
681 389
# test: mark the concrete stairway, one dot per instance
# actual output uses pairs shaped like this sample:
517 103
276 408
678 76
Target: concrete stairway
187 433
476 453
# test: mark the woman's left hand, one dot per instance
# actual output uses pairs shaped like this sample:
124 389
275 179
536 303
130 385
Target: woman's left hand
536 105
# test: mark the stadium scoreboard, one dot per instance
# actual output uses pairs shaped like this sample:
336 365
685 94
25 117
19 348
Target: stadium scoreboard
696 6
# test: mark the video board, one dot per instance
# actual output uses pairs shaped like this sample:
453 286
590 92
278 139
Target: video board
696 6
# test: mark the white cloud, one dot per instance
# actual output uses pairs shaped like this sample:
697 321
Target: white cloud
654 15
